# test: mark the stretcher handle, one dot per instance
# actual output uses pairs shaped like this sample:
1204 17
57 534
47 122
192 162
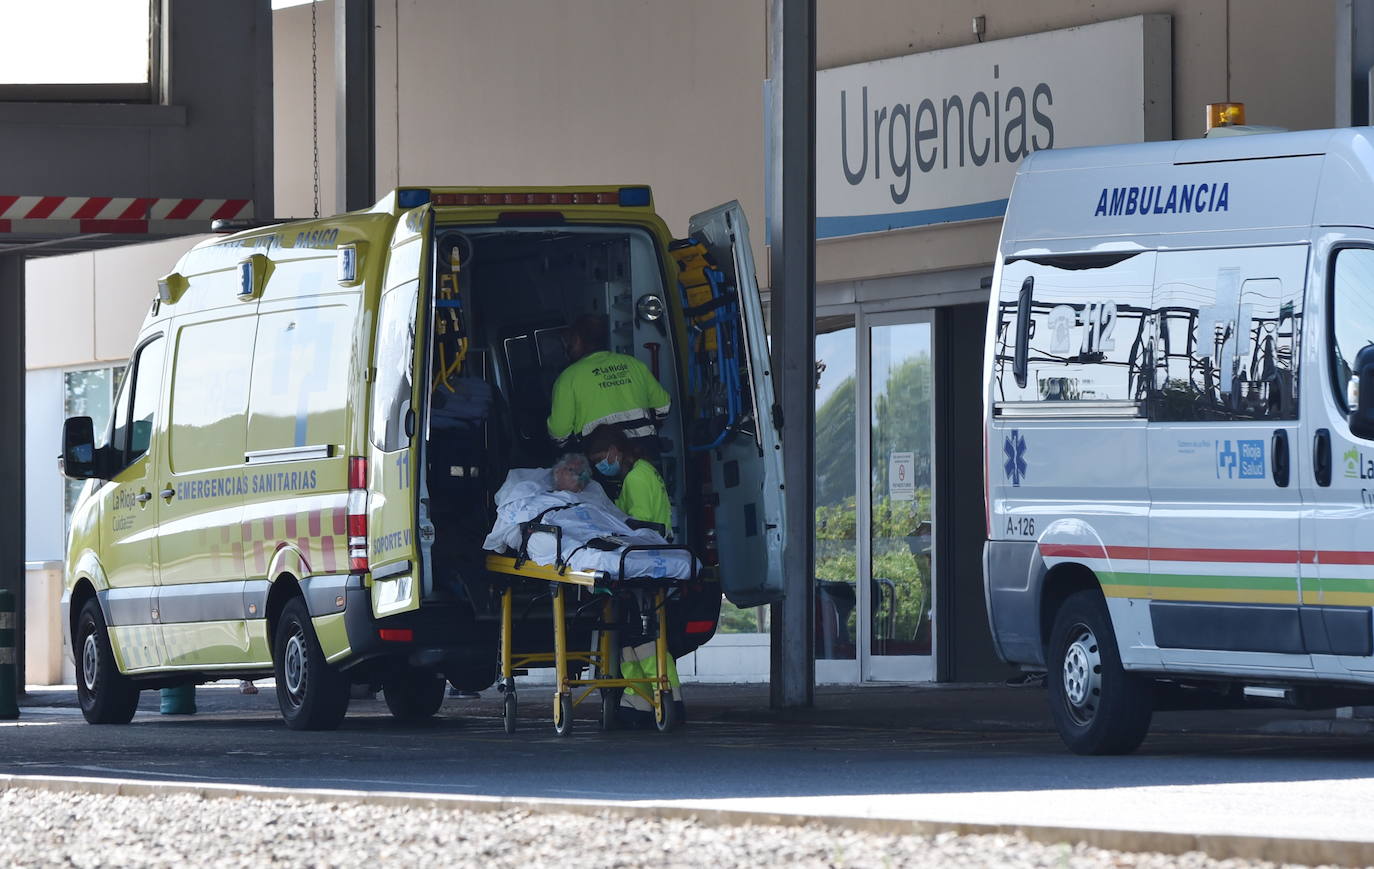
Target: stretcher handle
658 547
656 527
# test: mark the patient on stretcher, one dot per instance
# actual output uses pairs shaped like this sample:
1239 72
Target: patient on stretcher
567 497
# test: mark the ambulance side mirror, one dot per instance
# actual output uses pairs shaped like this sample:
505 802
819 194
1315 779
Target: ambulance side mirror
1362 414
78 448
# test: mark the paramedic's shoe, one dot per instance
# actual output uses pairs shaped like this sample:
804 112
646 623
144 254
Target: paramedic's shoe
247 687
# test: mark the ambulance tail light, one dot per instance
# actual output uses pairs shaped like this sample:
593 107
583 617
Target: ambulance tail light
357 514
396 635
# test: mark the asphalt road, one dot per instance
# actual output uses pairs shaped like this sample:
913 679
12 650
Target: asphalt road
873 765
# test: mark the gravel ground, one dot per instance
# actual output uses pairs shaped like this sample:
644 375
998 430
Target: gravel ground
42 828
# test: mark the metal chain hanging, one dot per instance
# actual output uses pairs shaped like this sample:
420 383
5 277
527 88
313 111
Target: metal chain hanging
315 98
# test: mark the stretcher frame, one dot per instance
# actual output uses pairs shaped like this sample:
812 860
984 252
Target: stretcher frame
604 660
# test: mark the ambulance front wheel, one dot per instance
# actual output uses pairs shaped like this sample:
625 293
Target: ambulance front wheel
312 694
414 695
1098 707
106 695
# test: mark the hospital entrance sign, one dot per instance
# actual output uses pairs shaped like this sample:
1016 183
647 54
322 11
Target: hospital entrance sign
936 137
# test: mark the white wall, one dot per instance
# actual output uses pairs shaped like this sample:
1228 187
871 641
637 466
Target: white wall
499 92
42 483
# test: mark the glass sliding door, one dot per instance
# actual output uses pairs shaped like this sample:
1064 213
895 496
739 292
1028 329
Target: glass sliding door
896 506
836 525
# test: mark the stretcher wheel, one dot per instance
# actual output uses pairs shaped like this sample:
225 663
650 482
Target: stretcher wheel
508 712
562 714
665 717
609 703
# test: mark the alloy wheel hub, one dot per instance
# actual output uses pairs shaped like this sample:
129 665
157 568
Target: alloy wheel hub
90 661
294 665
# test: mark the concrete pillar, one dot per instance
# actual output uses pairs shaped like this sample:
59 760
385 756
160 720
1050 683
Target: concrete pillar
355 103
793 285
12 457
1354 52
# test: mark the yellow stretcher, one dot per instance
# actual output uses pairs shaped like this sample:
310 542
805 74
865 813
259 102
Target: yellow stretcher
599 589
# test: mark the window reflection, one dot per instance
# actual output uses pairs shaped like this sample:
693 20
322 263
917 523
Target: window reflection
836 515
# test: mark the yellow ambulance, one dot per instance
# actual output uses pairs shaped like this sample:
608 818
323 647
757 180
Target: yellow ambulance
300 468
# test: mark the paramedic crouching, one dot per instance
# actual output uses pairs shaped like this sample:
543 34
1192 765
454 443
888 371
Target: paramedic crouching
600 387
642 497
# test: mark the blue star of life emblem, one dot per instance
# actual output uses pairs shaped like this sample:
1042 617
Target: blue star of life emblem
1014 449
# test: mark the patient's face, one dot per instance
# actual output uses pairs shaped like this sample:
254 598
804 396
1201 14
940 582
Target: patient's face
566 480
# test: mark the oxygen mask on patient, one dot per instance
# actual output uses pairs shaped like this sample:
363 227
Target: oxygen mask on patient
571 473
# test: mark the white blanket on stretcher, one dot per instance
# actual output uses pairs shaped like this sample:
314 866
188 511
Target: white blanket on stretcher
528 492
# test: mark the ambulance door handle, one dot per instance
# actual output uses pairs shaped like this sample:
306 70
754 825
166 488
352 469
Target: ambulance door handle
1321 457
1278 452
168 493
143 497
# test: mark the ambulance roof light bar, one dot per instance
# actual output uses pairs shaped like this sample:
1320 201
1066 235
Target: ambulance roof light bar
1228 119
625 197
225 225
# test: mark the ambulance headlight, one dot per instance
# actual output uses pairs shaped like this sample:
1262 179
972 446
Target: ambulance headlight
649 308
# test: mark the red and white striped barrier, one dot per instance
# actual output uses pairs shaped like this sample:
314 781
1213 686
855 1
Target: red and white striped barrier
57 215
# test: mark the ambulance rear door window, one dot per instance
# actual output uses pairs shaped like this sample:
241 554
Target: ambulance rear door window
395 361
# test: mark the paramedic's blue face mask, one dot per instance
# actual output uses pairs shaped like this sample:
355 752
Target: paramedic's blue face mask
609 467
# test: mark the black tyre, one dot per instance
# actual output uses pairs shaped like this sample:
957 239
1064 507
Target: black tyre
414 695
312 694
666 716
562 714
1098 707
106 695
609 703
508 712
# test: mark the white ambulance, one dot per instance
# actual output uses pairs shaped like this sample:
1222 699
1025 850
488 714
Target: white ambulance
1179 419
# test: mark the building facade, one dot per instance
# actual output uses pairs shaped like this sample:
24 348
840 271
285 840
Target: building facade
923 112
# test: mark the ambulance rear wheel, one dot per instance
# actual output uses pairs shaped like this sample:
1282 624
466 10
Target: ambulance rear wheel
1098 707
414 695
106 695
562 714
312 694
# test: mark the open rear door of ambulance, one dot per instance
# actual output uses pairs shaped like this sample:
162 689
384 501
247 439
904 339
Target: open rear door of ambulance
735 384
393 462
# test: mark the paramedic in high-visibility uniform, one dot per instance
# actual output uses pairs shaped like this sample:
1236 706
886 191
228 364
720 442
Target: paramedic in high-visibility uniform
644 497
601 387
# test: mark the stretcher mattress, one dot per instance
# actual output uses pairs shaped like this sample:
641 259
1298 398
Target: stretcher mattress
528 494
